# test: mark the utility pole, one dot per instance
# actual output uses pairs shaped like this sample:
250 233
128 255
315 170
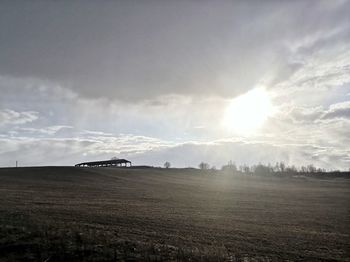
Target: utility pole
16 163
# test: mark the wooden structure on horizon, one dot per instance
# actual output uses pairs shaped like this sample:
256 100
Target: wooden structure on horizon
106 163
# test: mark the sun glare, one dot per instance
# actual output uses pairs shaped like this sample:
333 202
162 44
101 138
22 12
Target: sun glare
248 112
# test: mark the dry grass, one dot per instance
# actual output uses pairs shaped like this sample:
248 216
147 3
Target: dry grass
106 214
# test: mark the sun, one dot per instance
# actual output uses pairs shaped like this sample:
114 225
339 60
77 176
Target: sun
245 114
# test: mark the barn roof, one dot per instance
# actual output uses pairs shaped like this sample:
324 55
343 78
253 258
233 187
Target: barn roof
105 162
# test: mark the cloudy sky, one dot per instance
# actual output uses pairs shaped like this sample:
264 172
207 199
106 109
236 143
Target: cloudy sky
179 81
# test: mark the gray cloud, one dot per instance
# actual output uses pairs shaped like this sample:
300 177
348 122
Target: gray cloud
339 110
305 114
132 49
312 115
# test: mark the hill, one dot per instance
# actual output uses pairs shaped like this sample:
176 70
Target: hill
106 214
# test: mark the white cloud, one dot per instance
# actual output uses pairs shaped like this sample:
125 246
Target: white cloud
83 129
152 151
69 150
50 130
11 117
219 153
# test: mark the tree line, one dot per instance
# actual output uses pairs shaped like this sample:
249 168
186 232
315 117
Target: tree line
279 168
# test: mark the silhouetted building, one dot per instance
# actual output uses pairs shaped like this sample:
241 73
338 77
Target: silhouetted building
106 163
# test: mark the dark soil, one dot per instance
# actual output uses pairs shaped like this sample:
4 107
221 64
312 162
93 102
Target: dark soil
114 214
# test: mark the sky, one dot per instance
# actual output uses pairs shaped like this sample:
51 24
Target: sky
178 81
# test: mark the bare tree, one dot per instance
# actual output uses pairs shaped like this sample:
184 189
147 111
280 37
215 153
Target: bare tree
246 169
261 169
291 170
167 164
303 169
231 167
311 168
282 166
203 166
276 167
